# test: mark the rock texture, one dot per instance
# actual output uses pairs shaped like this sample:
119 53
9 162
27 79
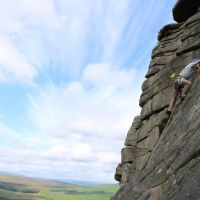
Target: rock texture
185 9
162 162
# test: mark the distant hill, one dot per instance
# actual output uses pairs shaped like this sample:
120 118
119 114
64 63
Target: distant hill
79 182
68 181
24 188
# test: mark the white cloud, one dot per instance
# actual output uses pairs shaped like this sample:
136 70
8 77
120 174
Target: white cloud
19 18
76 127
105 75
15 14
7 133
88 47
40 12
88 119
13 65
65 34
73 109
58 161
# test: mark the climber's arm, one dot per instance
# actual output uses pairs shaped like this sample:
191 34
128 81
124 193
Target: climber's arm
198 66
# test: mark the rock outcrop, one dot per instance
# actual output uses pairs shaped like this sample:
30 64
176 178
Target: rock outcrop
159 161
185 9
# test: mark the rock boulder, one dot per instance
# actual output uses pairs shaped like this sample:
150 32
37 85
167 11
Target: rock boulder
184 9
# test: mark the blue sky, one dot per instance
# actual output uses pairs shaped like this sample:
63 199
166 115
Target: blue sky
70 79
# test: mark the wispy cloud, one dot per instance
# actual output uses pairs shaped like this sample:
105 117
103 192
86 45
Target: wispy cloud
14 66
105 75
58 159
86 60
90 106
88 118
68 35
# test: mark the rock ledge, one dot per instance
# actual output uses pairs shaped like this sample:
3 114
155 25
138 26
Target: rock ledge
184 9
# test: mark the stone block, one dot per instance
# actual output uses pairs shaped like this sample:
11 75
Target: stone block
157 119
145 147
184 9
189 44
155 69
142 161
126 173
127 154
147 144
131 137
165 30
137 123
158 102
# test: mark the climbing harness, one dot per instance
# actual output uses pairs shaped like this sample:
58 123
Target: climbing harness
177 83
176 79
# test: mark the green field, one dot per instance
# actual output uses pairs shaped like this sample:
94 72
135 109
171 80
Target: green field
20 188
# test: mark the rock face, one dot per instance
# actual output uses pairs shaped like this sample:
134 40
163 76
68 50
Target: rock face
162 162
185 9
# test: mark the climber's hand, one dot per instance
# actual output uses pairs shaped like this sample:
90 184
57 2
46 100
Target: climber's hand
188 82
198 67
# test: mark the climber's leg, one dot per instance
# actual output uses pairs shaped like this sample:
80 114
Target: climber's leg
173 101
187 86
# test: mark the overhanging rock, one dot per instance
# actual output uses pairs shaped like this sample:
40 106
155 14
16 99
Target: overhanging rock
184 9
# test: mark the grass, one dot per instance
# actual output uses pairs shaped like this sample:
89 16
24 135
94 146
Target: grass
20 188
103 192
10 191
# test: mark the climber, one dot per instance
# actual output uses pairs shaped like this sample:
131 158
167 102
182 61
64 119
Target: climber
182 82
